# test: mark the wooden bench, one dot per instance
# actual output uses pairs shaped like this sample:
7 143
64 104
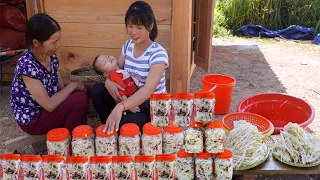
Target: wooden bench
38 143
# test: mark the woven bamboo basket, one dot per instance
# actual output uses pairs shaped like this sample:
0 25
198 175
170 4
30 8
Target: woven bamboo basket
88 76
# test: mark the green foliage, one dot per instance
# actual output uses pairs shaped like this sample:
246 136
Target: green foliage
272 14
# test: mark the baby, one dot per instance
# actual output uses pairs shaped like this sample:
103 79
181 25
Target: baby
108 67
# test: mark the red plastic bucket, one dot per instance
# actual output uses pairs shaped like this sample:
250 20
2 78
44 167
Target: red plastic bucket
224 86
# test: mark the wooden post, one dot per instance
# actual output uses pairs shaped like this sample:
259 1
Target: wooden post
34 7
181 45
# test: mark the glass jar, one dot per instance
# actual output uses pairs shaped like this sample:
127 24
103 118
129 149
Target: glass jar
129 140
83 141
223 165
52 166
144 167
10 166
100 168
122 167
151 140
165 166
204 103
160 105
106 144
182 106
31 167
185 165
215 137
58 142
77 168
204 166
172 139
193 138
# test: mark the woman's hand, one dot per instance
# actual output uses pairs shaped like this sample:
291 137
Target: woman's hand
114 119
112 88
135 109
78 86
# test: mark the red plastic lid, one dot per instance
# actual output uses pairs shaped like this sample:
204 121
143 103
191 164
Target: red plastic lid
58 134
171 128
129 129
183 154
121 159
151 130
205 94
195 124
77 159
100 159
204 155
30 158
104 134
82 131
183 96
10 156
226 154
215 125
165 157
143 158
52 158
160 96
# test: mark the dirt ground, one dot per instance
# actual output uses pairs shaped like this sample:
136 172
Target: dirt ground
257 65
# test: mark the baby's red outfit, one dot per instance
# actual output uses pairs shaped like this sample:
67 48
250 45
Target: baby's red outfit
128 84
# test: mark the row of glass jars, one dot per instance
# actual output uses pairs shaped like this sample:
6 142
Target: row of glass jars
163 166
182 108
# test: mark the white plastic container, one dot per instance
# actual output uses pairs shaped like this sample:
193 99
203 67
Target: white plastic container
129 140
165 167
31 167
185 165
122 168
151 140
52 166
204 103
193 138
223 165
172 139
83 141
100 168
182 106
106 144
160 106
77 168
58 142
204 166
10 166
215 137
144 167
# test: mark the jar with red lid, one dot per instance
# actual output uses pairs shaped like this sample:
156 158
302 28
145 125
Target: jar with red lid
172 139
77 168
182 106
58 142
122 167
204 166
144 167
165 166
223 165
193 138
100 168
106 144
129 140
31 167
83 141
160 105
52 167
151 140
204 103
10 166
215 137
185 165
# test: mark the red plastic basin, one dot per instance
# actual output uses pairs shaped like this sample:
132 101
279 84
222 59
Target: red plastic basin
279 109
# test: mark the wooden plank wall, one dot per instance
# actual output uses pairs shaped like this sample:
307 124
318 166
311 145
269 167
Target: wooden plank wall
97 27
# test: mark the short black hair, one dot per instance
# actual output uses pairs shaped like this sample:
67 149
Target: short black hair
95 67
40 27
140 13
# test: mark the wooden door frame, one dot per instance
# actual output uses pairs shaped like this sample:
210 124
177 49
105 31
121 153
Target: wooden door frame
34 7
